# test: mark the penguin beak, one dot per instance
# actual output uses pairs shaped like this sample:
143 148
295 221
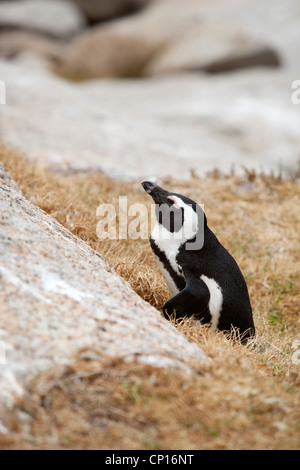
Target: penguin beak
148 186
158 194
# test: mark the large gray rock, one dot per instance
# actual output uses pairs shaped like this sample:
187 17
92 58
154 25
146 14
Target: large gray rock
112 50
169 36
214 46
57 18
58 297
153 128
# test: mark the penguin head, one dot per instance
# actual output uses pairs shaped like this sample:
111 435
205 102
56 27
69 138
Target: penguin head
176 213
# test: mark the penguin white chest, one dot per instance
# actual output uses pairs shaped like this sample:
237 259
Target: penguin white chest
167 244
167 277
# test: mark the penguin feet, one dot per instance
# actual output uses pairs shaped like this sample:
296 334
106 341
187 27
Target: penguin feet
185 304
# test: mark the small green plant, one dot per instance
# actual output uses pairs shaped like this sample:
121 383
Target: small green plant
276 369
275 316
134 390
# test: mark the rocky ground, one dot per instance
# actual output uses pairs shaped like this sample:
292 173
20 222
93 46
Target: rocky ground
162 127
216 91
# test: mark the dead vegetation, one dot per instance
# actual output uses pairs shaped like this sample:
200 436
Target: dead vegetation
247 398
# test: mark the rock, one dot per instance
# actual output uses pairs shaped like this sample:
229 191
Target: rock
103 10
58 297
7 180
14 43
108 51
58 18
169 36
137 129
212 47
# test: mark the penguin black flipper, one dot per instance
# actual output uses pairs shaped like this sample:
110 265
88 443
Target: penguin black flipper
192 300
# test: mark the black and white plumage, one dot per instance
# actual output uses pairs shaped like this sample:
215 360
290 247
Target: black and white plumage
205 281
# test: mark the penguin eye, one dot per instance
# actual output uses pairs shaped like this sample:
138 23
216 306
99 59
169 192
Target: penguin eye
175 204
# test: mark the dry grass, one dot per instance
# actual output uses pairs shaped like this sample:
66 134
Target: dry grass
115 405
248 397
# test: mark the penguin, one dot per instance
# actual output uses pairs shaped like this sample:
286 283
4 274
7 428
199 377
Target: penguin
202 276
